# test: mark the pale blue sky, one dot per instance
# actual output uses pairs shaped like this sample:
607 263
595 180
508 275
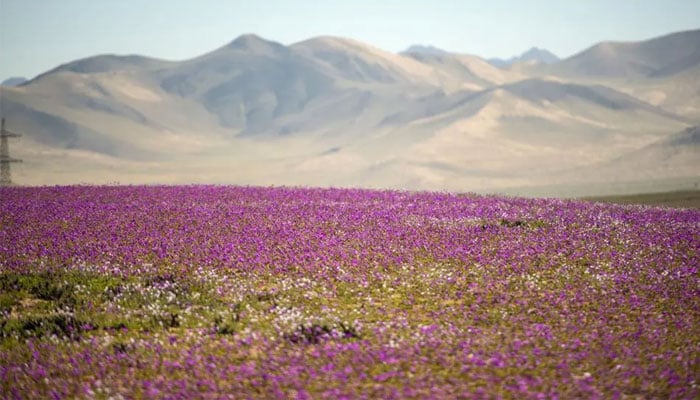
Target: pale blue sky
36 35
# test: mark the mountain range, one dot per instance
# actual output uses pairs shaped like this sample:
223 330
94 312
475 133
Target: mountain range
13 81
335 111
534 55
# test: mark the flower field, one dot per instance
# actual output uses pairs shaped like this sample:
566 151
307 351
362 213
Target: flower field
239 292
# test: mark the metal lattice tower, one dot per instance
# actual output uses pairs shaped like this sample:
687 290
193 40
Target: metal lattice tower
5 159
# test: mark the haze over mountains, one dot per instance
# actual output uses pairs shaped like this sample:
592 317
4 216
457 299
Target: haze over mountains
335 111
13 81
534 55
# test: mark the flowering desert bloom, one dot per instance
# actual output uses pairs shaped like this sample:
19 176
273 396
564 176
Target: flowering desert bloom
243 292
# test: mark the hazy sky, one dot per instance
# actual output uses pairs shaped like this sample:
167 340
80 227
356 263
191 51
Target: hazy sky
36 35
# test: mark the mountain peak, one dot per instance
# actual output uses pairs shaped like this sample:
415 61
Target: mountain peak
534 54
253 43
13 81
661 56
425 50
534 50
247 39
543 56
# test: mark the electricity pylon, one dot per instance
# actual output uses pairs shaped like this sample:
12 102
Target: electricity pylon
5 159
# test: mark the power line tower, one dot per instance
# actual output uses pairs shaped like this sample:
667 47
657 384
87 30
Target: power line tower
5 159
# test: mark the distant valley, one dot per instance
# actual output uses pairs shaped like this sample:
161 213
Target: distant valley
329 111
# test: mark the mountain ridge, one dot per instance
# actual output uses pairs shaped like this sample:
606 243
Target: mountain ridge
13 81
534 54
674 53
421 119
